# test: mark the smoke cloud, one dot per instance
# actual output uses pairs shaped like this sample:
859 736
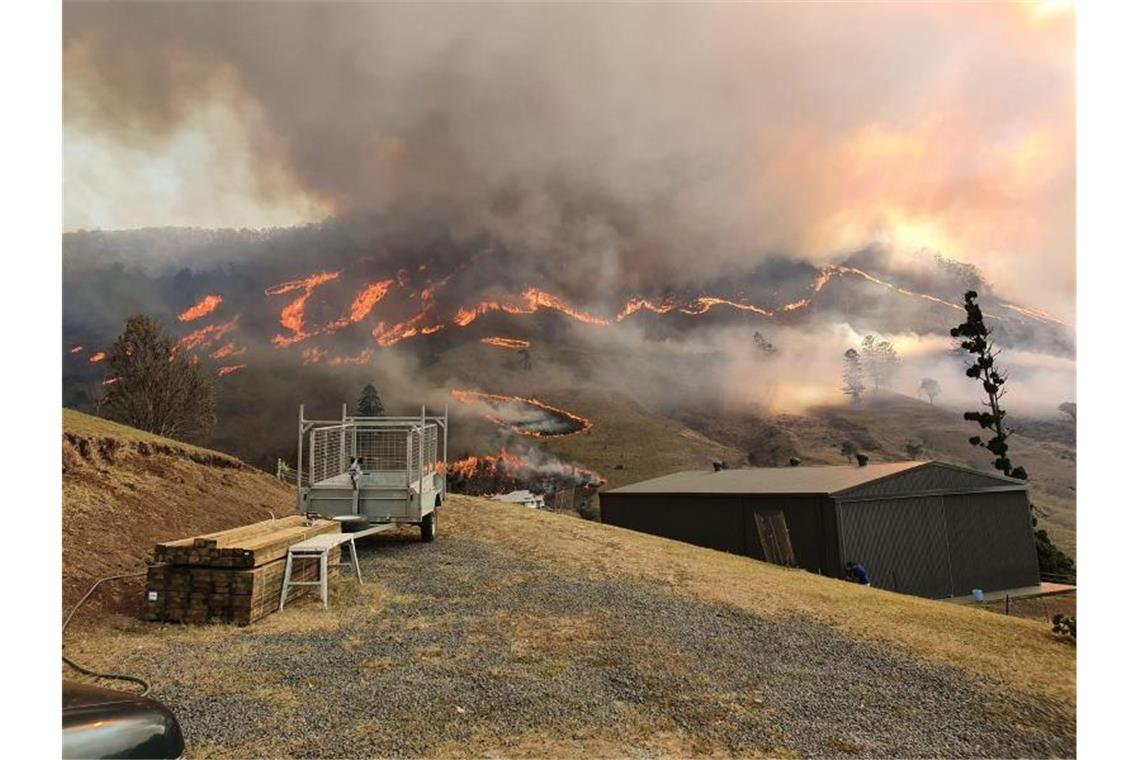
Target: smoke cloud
623 147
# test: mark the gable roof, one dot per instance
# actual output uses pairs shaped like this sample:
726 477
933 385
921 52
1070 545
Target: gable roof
846 480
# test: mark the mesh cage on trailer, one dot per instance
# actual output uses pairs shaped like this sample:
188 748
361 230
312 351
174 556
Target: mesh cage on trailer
394 455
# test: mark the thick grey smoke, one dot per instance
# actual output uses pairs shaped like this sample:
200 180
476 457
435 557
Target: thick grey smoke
632 145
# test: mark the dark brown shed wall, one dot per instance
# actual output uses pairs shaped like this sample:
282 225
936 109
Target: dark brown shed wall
726 522
710 521
991 541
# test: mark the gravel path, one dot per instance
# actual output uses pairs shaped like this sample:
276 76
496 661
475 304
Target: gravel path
470 650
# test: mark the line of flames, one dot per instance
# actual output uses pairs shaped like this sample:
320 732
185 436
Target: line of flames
201 309
510 465
471 397
528 301
228 350
506 342
204 337
230 369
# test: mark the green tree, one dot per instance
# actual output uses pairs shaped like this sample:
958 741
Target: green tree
152 386
369 404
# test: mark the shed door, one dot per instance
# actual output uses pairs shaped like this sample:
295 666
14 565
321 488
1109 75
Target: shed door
772 535
901 542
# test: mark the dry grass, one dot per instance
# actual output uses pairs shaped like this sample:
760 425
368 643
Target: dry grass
124 490
1020 653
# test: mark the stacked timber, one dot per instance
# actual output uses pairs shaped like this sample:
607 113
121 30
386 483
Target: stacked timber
232 576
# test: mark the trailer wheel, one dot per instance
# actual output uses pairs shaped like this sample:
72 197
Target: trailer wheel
427 527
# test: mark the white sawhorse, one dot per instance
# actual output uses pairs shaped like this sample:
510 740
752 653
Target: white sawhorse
318 548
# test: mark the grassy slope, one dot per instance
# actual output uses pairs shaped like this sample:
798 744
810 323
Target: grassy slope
119 500
124 490
1018 659
1018 652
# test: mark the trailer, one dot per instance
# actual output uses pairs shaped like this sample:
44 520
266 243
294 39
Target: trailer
400 476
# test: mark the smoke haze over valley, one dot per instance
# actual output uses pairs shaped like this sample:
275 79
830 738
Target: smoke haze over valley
584 213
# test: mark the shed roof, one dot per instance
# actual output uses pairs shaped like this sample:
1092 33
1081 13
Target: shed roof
797 480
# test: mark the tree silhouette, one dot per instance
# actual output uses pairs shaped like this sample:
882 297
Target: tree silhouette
880 360
369 404
853 386
977 343
848 449
1069 408
154 387
762 344
931 388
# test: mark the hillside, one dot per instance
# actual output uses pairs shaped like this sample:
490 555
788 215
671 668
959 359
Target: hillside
527 633
124 490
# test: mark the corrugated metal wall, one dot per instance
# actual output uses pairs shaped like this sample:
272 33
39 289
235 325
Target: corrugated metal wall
901 543
726 522
941 546
711 521
931 477
991 541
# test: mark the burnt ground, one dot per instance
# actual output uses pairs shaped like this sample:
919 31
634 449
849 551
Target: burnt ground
463 647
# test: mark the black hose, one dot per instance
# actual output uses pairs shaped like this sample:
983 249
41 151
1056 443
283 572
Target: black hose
88 671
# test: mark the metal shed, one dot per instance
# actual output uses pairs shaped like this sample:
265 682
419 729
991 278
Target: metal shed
925 528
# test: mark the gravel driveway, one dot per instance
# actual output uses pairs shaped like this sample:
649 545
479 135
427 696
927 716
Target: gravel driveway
458 648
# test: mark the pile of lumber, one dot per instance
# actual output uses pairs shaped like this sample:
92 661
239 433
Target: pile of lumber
232 576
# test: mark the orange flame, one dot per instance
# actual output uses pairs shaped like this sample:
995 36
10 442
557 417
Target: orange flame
204 336
228 350
110 381
312 355
293 315
100 356
363 304
471 397
230 369
76 350
390 336
200 309
506 342
361 358
507 465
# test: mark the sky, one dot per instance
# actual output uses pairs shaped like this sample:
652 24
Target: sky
656 143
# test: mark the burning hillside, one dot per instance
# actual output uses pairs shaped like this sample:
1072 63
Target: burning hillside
498 342
525 416
533 470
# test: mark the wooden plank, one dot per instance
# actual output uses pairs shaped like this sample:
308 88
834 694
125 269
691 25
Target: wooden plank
235 536
254 550
190 594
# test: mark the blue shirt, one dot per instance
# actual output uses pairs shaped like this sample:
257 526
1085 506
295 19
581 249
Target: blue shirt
860 574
